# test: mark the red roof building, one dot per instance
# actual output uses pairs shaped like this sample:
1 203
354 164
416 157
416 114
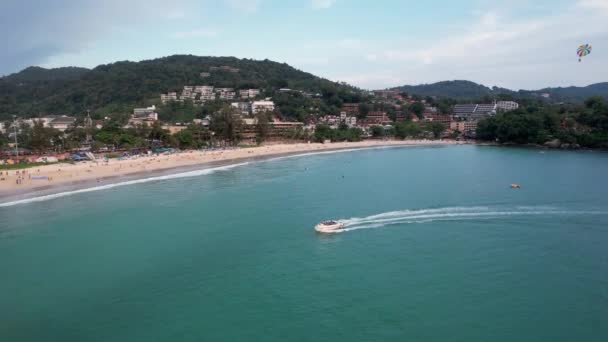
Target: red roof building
379 118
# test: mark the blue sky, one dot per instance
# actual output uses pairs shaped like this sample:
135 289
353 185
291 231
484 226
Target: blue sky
371 44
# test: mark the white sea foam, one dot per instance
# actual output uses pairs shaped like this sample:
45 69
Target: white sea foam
453 214
119 184
306 154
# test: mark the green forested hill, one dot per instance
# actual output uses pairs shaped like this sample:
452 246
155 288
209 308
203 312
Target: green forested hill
122 85
452 89
38 74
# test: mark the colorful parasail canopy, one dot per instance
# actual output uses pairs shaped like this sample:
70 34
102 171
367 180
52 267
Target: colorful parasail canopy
583 51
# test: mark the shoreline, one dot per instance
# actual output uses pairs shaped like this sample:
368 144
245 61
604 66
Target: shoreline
91 175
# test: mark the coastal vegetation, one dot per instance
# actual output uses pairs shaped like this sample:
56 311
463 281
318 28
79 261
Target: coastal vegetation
552 125
342 133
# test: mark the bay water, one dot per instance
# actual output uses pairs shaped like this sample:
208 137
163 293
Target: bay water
436 247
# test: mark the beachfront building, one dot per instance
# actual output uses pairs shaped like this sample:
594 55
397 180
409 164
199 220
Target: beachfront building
467 127
330 120
46 120
281 129
262 106
351 121
143 115
474 111
484 110
62 122
444 119
377 118
507 106
249 93
277 130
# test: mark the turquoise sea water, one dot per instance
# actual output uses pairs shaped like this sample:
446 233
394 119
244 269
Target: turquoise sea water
436 248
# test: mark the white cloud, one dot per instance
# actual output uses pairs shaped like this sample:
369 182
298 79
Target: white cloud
322 4
594 4
495 49
248 6
196 33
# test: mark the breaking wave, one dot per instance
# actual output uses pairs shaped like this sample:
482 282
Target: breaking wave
453 214
195 173
130 182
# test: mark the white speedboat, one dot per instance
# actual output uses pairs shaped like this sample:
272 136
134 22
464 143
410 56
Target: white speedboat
329 226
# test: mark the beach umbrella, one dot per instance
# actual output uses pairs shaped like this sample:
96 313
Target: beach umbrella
583 51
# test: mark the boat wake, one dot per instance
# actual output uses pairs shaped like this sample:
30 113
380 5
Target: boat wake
453 214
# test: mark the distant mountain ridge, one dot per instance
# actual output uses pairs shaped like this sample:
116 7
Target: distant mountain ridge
463 90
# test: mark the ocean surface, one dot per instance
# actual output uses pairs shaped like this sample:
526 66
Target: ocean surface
436 247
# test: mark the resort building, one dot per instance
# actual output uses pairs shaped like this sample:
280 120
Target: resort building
378 118
62 122
244 108
171 96
261 106
485 110
249 93
203 89
227 95
351 121
444 119
205 74
351 108
330 120
507 106
207 97
280 129
474 111
143 115
46 120
466 127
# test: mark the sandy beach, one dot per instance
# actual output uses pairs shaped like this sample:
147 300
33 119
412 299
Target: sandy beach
18 182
